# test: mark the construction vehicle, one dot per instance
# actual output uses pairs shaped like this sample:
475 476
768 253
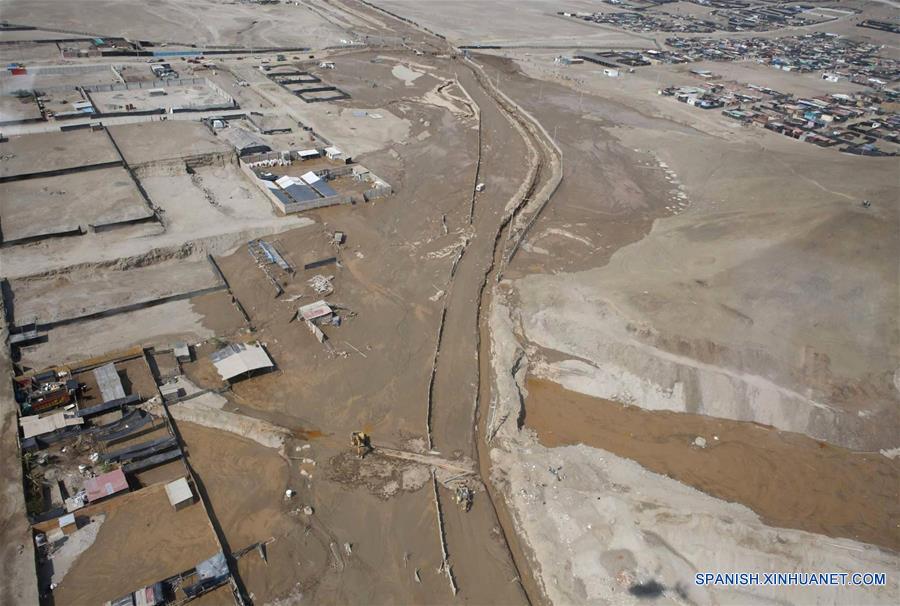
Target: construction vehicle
362 442
464 496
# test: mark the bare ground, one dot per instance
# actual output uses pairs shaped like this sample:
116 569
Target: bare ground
824 489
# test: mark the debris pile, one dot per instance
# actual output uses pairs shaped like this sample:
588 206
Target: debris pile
321 284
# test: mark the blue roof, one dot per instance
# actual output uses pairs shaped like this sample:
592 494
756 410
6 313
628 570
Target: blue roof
301 193
323 188
282 197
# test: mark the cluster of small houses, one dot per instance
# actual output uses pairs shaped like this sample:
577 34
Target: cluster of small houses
884 26
855 121
79 455
644 22
839 58
727 15
758 18
843 58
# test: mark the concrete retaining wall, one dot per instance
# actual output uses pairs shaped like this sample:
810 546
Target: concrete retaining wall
62 171
176 166
289 209
378 192
158 83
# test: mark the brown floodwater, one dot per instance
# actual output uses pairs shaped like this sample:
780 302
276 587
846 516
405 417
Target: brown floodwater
790 480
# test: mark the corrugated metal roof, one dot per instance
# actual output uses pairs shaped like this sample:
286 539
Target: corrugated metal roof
315 310
108 380
182 350
282 197
323 188
35 426
240 358
309 177
242 139
105 485
301 193
214 567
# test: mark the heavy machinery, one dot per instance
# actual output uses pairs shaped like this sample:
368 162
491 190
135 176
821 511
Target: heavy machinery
362 442
464 496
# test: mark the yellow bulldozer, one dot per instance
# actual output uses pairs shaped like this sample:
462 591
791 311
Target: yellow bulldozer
362 442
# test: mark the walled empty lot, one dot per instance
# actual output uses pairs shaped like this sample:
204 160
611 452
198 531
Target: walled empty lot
14 108
63 203
188 96
157 326
29 154
145 143
55 80
212 211
63 296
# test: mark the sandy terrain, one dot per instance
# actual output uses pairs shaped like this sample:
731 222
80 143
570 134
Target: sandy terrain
74 294
14 108
202 23
53 205
601 527
528 23
35 34
193 224
159 325
54 151
28 51
715 279
246 480
355 134
193 96
727 198
56 81
161 542
145 143
724 318
825 489
757 322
